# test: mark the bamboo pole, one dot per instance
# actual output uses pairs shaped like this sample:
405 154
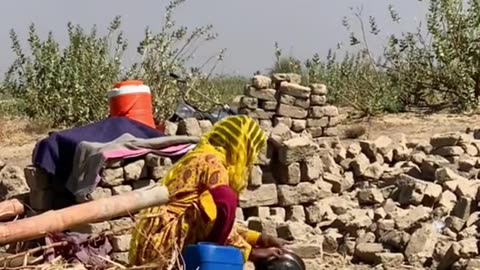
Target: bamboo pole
94 211
11 208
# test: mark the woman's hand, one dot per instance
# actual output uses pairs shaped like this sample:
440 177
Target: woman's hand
265 253
267 241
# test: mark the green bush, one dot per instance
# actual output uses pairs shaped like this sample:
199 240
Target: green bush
68 86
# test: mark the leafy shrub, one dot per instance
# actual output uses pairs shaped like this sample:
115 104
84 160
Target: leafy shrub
68 86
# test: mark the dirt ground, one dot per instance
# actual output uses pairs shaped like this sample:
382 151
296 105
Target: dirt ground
18 136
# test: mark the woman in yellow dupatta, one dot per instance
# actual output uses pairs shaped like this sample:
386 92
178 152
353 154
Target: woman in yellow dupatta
204 187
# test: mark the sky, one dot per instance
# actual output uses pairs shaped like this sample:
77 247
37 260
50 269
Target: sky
248 29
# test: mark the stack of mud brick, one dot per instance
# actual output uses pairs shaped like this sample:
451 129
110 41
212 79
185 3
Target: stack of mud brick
117 177
282 99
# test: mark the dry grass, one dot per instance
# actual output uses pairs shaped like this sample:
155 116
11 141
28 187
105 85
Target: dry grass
18 131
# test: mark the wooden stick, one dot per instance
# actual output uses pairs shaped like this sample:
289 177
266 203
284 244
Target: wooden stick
89 212
11 208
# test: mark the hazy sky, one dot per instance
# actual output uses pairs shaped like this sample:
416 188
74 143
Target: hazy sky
247 28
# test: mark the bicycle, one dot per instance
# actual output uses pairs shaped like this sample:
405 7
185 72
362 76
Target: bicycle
185 109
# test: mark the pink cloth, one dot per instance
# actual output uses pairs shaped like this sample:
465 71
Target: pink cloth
173 150
226 201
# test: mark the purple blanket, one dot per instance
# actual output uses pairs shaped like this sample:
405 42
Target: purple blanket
55 154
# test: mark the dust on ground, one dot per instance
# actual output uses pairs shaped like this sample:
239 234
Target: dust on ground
18 136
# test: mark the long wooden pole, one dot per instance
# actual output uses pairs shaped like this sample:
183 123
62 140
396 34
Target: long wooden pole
94 211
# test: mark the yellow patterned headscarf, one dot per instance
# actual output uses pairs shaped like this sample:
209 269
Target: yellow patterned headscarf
237 141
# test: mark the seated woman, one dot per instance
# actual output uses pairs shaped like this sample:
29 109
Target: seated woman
204 191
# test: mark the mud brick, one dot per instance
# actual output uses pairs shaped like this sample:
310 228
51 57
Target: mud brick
121 243
319 89
295 90
318 100
317 122
268 105
287 99
261 94
249 102
265 195
291 111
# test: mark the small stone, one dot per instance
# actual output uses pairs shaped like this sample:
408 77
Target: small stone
311 168
296 149
294 231
256 175
135 170
249 103
360 164
287 99
318 100
258 114
121 242
316 112
287 77
268 105
451 256
304 192
373 171
120 257
468 188
447 200
266 226
413 216
261 82
422 244
366 252
395 239
190 127
330 132
205 126
317 122
295 90
370 196
299 125
265 195
466 164
339 183
464 207
445 139
388 259
443 175
291 111
287 121
331 239
121 189
239 214
98 193
473 264
296 213
112 177
469 248
302 103
456 224
121 224
12 182
306 250
261 94
319 89
448 151
170 128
